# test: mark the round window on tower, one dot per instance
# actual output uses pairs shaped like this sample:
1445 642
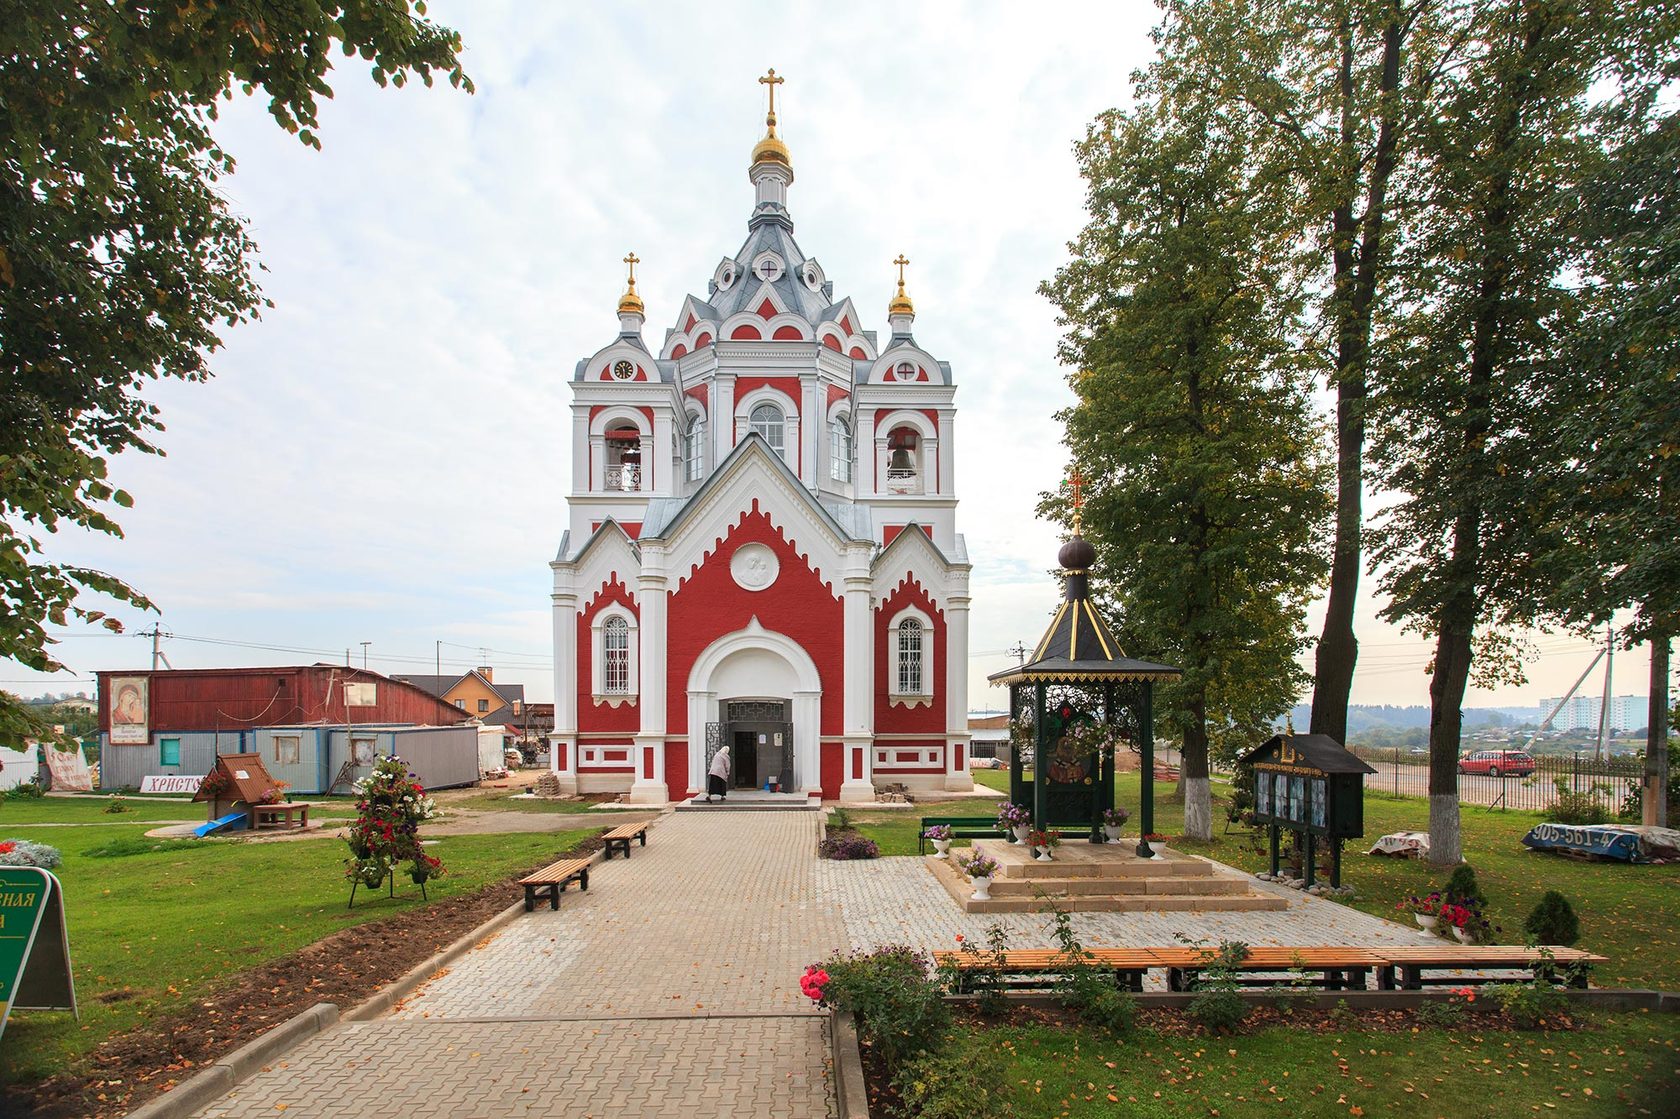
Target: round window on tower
624 369
812 275
768 267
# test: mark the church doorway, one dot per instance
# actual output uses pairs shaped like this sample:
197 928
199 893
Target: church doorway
761 742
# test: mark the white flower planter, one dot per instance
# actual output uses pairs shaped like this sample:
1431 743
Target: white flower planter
1042 854
1426 921
982 888
1111 833
1021 833
1462 936
943 847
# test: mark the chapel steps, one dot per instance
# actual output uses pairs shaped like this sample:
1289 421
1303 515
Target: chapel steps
1101 878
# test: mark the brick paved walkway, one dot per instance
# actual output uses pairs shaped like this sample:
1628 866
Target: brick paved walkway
897 901
670 988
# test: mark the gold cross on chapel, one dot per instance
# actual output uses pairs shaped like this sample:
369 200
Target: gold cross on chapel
901 261
1077 480
632 260
772 81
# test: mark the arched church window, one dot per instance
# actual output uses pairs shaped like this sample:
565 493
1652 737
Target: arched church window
840 449
767 420
910 677
694 448
615 656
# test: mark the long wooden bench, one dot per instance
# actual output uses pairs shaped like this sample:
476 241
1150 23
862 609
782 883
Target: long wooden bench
1543 963
281 814
551 881
619 838
1336 969
962 827
1039 967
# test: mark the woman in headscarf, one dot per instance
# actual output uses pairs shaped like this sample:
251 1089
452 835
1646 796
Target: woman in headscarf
717 778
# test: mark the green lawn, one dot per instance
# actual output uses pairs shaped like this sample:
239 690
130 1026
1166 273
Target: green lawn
1628 913
495 800
1621 1064
90 809
156 930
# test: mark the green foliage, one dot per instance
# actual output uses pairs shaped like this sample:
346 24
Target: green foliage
1632 807
958 1082
982 976
117 805
1580 806
1216 1004
391 805
121 259
900 1011
839 819
1552 921
1089 993
1192 419
129 845
31 789
1462 887
1447 1014
1529 1005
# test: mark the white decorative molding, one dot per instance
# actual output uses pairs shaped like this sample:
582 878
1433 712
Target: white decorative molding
909 757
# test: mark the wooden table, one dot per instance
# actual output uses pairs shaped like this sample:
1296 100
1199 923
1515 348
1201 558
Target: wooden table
281 815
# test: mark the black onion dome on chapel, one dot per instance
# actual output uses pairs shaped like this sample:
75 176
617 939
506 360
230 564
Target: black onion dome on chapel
1079 645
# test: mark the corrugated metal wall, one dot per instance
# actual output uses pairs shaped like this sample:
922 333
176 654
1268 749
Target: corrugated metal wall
440 757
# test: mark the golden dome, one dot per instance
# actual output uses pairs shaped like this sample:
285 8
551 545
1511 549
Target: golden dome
630 302
772 150
901 304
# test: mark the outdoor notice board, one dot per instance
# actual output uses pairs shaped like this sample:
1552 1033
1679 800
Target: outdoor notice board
34 945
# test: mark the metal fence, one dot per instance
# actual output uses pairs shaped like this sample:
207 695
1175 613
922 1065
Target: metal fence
1400 773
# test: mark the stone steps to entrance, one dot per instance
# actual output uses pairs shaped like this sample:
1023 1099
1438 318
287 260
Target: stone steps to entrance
1100 878
753 800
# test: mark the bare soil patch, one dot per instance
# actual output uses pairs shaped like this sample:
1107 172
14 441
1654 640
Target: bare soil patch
345 968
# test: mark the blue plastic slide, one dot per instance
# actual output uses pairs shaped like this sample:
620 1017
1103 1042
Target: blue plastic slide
231 820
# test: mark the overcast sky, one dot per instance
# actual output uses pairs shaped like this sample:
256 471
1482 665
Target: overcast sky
383 458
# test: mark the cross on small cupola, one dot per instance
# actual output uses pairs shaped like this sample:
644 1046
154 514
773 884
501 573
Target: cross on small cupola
771 149
1077 555
630 309
771 169
900 311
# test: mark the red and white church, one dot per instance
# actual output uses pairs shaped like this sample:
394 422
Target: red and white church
762 549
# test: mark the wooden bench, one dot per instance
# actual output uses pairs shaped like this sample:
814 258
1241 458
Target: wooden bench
1542 963
619 838
1039 967
550 882
280 814
962 827
1336 969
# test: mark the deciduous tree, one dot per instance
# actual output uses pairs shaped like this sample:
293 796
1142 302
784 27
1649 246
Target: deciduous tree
120 260
1193 418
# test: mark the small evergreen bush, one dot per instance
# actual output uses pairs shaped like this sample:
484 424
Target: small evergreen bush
1462 886
1553 921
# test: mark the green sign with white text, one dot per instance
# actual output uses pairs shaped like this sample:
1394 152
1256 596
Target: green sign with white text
34 950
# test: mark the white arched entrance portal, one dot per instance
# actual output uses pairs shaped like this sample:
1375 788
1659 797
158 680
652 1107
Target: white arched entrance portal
759 663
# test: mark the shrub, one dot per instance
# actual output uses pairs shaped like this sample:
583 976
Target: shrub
1632 808
848 845
1580 806
970 1081
839 819
21 852
1553 921
1528 1004
117 805
1089 994
1448 1014
1219 1011
900 1011
31 789
1462 886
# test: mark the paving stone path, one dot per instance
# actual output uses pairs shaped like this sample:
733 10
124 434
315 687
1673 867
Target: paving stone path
669 989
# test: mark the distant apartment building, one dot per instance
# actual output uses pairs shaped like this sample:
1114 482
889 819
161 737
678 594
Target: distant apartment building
1627 712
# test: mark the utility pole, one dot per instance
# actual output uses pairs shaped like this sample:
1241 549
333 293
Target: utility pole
365 645
157 631
437 651
1020 652
1604 708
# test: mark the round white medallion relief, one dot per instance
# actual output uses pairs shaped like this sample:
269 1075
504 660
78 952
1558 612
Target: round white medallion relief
754 567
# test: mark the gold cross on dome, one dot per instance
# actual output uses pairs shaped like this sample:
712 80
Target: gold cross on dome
632 260
1077 480
772 81
901 261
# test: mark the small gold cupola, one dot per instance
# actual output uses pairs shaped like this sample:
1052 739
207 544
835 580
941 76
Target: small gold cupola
901 304
771 149
631 313
771 171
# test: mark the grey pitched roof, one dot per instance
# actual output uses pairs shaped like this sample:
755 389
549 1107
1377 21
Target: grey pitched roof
436 685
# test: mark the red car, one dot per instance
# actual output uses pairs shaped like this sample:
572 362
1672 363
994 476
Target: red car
1498 763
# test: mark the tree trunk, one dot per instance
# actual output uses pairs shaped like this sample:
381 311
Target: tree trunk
1446 717
1654 797
1354 291
1193 774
